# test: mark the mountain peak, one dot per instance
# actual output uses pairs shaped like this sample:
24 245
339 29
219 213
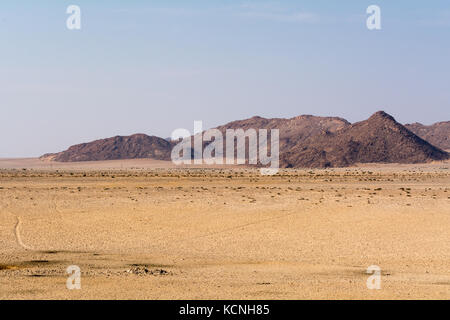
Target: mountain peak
378 139
382 115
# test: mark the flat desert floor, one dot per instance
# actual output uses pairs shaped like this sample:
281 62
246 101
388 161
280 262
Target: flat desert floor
167 233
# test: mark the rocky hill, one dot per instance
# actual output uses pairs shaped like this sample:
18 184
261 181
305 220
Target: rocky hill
379 139
292 131
119 147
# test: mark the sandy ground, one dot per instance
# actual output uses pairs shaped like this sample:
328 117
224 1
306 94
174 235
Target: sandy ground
169 233
38 164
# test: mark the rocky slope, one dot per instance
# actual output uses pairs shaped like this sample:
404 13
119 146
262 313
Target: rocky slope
437 134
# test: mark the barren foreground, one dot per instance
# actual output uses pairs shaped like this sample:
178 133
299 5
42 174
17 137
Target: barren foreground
225 234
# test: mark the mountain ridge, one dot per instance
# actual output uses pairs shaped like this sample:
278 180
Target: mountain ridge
437 134
305 141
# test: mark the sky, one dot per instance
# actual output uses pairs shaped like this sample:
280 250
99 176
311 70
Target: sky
154 66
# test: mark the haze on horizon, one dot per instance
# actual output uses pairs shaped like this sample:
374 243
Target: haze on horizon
153 66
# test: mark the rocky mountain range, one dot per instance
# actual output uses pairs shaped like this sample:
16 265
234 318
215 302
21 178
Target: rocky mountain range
305 141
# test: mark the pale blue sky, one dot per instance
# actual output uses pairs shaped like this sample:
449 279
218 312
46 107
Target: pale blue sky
154 66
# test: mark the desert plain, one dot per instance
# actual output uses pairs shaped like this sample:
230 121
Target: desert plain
150 230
